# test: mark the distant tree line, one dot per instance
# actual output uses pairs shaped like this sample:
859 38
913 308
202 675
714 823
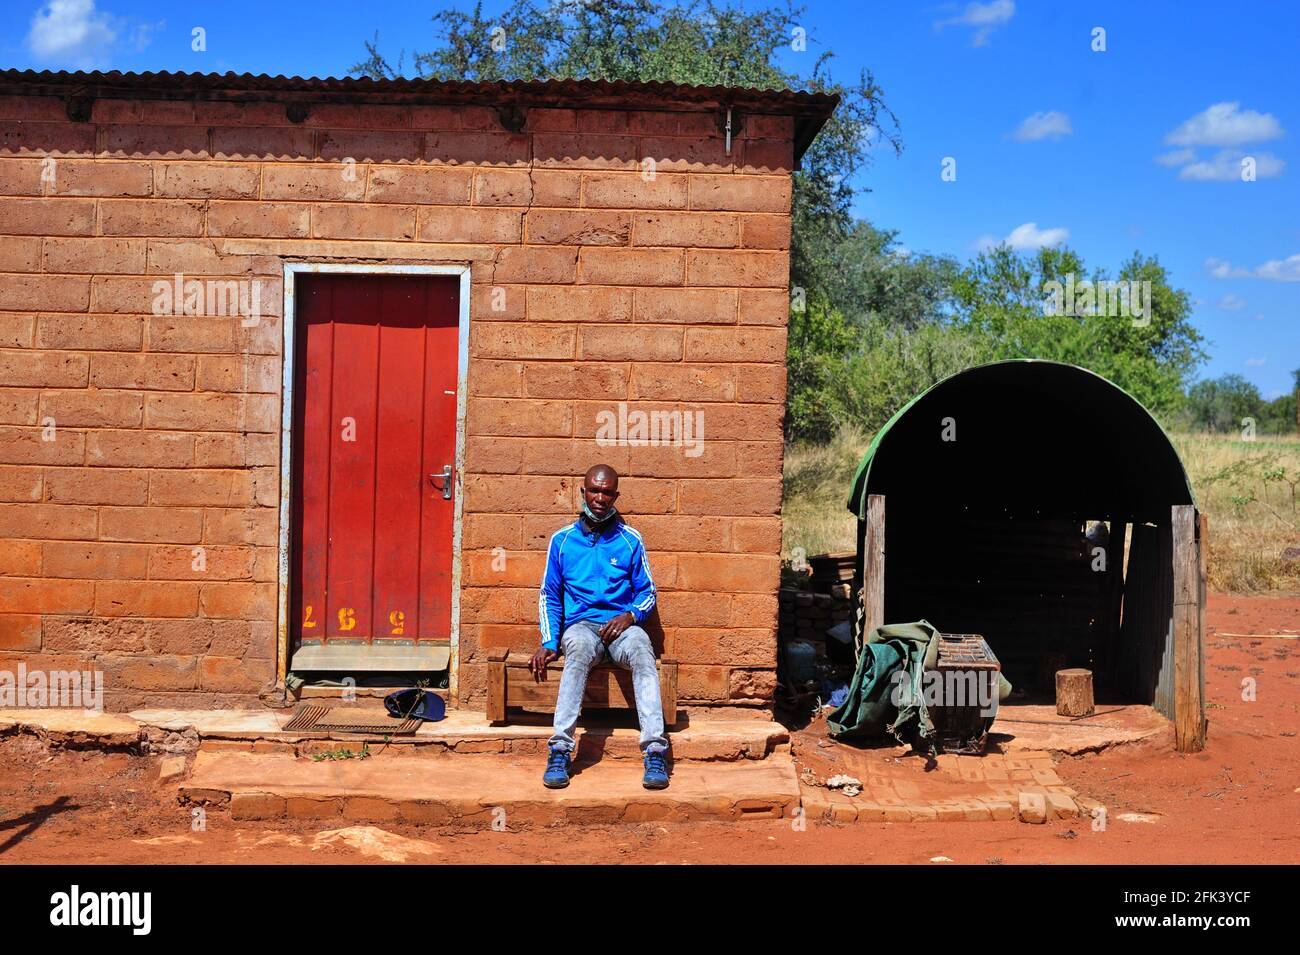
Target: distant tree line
1231 403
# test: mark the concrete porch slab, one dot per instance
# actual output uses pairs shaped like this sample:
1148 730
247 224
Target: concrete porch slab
480 790
77 726
1021 728
462 732
468 732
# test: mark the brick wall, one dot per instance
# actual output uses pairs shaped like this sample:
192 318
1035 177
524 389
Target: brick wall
128 439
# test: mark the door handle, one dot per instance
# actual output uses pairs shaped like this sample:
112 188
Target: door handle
445 478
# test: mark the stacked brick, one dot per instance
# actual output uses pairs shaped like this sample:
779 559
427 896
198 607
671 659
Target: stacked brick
617 256
807 616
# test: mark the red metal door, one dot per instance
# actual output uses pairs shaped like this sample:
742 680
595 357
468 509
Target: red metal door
375 432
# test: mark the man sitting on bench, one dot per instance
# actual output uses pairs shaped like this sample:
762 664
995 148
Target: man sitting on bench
597 590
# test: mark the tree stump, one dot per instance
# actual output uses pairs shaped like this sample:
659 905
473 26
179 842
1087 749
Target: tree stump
1074 693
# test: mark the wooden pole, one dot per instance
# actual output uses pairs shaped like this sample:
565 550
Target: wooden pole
859 575
1202 550
1189 704
873 568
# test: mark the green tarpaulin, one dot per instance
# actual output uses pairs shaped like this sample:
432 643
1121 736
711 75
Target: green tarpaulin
871 711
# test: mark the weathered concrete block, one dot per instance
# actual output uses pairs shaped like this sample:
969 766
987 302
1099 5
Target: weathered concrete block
256 806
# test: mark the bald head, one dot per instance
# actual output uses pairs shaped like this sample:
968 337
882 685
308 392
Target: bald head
602 471
600 489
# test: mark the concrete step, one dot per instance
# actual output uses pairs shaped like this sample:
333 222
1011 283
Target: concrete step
604 736
463 732
478 791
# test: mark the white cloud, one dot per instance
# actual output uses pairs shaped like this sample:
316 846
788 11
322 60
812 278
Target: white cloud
1223 124
1280 270
983 18
1274 270
1176 158
1025 238
72 32
1256 362
1048 125
1029 236
142 35
1225 166
1220 269
1232 303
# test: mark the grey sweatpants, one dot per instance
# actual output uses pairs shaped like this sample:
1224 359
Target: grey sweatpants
631 650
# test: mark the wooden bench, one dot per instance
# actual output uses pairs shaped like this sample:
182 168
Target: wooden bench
510 684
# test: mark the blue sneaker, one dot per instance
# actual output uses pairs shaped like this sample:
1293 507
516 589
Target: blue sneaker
557 769
656 771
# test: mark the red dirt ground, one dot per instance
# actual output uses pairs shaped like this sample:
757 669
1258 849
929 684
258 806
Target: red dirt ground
1237 802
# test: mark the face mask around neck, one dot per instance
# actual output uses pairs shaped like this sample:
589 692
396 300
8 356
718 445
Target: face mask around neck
598 522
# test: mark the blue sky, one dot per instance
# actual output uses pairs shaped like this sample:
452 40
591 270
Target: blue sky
1138 146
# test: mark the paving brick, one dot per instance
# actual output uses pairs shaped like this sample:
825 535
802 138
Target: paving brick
1003 811
870 811
948 812
843 808
1060 806
1032 808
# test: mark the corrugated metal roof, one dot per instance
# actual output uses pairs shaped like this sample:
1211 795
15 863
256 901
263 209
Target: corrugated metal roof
1025 398
810 110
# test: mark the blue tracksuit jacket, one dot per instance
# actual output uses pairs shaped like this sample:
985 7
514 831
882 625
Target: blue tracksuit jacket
593 577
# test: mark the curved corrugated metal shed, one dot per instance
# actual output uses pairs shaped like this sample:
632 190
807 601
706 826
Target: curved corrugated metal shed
983 492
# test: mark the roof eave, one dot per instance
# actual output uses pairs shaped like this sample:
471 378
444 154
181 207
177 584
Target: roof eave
809 110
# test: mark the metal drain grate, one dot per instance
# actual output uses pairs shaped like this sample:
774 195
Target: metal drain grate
346 719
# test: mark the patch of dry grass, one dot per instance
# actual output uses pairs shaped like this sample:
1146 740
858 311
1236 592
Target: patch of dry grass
1248 490
818 479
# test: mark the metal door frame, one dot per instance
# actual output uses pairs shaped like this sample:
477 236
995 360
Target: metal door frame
290 321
